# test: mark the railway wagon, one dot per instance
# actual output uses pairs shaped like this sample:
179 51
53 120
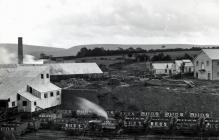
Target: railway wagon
18 128
102 127
34 125
159 125
211 127
136 125
187 126
74 128
110 126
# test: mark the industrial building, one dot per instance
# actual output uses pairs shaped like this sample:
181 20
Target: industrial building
74 70
206 65
28 87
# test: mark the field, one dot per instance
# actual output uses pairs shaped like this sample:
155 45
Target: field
108 60
133 94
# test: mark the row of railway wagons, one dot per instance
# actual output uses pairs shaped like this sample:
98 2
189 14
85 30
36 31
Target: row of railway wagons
179 123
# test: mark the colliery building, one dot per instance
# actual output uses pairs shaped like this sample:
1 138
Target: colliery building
28 88
74 70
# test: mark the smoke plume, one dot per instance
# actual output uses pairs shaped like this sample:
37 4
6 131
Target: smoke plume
11 58
89 106
30 59
6 57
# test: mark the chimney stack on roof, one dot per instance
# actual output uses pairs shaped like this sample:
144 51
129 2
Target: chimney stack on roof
20 50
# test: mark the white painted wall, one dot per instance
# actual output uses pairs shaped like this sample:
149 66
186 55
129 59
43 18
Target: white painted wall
202 58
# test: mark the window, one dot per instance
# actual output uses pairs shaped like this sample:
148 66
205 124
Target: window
47 75
197 63
18 97
207 63
45 95
41 76
51 94
13 104
30 89
57 93
165 70
35 103
202 66
24 103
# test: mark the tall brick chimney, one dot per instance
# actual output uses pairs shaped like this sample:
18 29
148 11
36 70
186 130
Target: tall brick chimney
20 50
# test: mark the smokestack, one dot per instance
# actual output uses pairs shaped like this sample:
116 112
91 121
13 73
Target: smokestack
20 50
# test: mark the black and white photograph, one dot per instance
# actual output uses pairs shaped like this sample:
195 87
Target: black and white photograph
109 69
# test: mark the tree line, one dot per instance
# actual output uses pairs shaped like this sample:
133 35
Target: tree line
139 53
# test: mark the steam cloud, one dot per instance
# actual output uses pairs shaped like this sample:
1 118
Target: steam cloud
10 58
89 106
6 57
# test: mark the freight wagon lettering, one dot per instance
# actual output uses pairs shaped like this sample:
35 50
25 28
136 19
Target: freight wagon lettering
198 115
170 114
151 114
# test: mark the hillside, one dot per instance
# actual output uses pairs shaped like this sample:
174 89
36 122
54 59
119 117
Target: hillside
75 49
57 52
35 50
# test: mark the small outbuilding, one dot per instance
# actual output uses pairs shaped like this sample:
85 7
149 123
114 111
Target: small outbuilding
165 68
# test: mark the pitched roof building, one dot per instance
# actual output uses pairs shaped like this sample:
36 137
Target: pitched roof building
162 68
74 68
28 88
206 64
184 66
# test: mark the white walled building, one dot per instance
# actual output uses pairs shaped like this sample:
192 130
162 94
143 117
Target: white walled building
162 68
206 65
187 68
28 88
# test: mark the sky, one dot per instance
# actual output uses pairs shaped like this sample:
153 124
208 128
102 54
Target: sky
66 23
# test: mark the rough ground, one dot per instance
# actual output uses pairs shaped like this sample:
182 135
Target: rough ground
204 97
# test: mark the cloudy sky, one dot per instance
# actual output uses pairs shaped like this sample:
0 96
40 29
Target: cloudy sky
65 23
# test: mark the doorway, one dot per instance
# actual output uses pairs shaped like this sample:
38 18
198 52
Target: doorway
209 76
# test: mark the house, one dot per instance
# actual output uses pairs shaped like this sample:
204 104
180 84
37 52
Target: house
28 88
183 66
162 68
206 65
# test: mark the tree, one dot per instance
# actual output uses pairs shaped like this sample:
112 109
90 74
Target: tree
158 57
83 52
167 58
98 52
187 56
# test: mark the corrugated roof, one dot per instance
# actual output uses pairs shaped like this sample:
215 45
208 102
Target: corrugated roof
179 62
162 65
74 68
45 87
189 65
28 96
14 80
62 68
212 53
